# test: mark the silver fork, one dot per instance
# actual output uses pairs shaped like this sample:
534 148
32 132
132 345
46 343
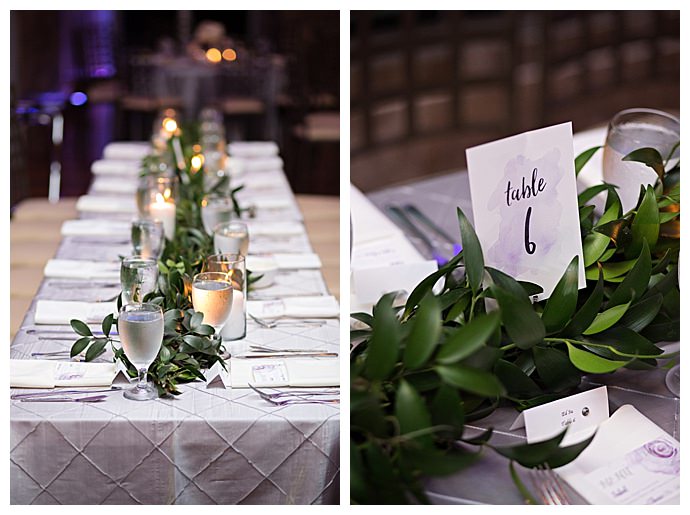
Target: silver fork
91 398
295 393
549 485
286 323
296 399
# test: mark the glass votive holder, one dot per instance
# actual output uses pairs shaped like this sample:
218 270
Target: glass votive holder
148 238
156 197
231 238
234 266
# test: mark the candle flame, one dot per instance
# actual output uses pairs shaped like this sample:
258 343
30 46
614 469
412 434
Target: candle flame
197 161
167 194
170 125
160 199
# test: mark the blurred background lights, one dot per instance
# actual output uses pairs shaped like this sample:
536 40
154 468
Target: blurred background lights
229 54
78 98
213 55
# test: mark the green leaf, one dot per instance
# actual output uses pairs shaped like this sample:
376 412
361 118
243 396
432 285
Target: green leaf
562 303
610 270
515 380
650 157
204 330
522 290
606 319
365 318
196 320
641 314
645 224
591 192
471 380
80 328
426 329
96 349
591 363
470 337
428 283
165 354
582 159
635 283
447 410
627 343
472 250
384 342
593 246
107 324
555 369
531 455
411 412
433 462
79 346
522 323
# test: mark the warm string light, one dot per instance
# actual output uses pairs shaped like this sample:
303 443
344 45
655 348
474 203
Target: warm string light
213 55
170 125
197 162
229 54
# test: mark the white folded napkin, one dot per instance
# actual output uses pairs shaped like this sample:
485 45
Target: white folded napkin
259 164
268 203
81 269
265 181
96 228
127 150
295 261
60 312
295 307
253 149
257 228
105 184
630 461
105 204
296 372
116 167
37 373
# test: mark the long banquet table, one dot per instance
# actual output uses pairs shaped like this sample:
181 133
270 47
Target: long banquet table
488 481
210 445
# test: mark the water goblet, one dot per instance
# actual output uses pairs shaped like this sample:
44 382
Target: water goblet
231 238
138 278
148 238
216 209
141 332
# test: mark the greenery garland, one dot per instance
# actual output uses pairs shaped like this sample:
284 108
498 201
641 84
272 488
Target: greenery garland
188 345
420 372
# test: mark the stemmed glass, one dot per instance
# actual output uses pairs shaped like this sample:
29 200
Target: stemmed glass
231 238
141 333
148 238
216 209
138 278
212 295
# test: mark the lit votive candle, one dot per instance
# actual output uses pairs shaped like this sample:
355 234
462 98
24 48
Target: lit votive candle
236 325
164 210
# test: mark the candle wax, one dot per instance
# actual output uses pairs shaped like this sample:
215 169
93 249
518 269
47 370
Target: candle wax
165 212
236 325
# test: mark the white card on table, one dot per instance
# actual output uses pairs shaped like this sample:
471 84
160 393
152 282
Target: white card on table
524 201
372 283
580 413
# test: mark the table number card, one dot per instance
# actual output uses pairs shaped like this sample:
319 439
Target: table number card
524 201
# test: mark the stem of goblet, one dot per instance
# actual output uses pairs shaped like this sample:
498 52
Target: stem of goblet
142 378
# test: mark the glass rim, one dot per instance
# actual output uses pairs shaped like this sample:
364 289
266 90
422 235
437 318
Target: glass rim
143 307
238 258
217 277
139 257
148 221
223 226
615 121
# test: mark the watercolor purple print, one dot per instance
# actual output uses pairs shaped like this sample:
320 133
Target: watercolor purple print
524 202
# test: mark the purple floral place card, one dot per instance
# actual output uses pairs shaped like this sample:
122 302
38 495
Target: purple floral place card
524 201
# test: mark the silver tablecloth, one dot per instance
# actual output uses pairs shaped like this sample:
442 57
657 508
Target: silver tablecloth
488 481
209 445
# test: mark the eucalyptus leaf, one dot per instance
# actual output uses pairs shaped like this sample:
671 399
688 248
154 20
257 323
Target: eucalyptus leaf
79 346
80 327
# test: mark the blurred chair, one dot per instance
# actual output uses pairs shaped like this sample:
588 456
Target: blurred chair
427 85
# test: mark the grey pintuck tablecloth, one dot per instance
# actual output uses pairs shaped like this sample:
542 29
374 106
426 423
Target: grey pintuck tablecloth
208 445
488 481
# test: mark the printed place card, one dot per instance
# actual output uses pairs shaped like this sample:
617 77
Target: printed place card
524 201
581 414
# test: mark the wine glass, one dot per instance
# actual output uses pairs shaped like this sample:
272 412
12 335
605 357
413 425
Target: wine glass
630 130
148 238
216 209
138 278
212 295
231 238
233 266
141 333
